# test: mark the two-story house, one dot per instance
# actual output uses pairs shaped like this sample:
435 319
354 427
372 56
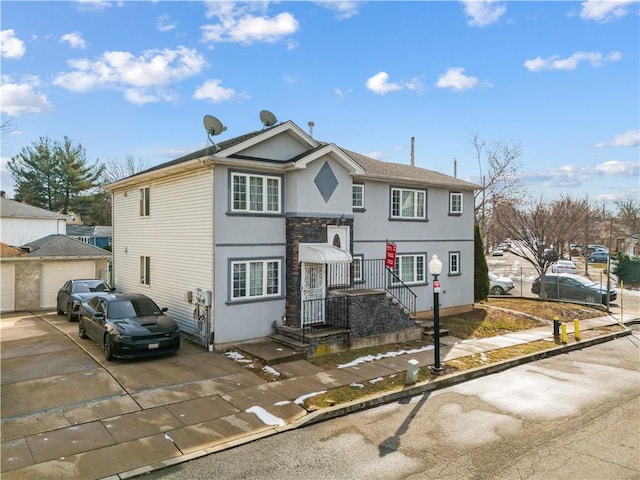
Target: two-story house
257 231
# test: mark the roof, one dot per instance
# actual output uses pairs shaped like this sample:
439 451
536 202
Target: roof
374 169
7 251
14 209
322 253
89 230
63 246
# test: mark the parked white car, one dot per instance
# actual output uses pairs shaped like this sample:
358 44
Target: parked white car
499 285
564 266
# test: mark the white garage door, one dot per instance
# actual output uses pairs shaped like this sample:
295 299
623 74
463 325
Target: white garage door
8 292
54 275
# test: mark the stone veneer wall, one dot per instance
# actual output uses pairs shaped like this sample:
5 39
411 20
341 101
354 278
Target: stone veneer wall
304 230
374 313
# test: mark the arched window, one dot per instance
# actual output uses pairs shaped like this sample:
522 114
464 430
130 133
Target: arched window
336 241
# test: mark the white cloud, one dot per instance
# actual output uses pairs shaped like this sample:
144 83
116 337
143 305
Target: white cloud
456 79
605 11
627 139
123 70
574 175
343 10
74 39
164 23
89 5
139 97
239 23
375 155
212 90
596 59
10 45
21 98
380 84
483 12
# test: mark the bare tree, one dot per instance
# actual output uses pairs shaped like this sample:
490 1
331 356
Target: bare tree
499 165
6 125
629 216
539 228
115 170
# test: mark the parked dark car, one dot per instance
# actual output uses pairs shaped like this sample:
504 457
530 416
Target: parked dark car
128 325
74 292
599 256
567 286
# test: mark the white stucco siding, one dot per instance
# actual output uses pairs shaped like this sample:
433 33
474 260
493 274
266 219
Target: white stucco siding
178 236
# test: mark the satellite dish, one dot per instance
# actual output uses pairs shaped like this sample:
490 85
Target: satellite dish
213 126
267 118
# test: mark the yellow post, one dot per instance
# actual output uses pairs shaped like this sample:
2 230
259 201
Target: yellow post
576 329
564 332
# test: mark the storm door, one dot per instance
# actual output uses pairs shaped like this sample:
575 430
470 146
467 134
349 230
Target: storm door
313 288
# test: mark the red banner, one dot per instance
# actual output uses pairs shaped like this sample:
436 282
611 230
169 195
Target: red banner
390 258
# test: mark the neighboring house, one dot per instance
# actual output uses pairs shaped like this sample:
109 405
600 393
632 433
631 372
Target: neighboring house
22 223
258 232
32 275
98 236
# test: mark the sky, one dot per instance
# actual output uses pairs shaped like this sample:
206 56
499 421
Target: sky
561 80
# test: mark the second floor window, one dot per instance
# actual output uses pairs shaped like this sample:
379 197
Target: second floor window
408 203
144 202
358 196
255 193
455 203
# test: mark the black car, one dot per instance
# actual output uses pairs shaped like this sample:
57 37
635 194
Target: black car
128 325
74 292
567 286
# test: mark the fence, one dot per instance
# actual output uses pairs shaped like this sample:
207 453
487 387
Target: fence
324 314
370 275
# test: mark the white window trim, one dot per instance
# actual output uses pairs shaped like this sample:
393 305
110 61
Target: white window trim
416 280
265 179
361 187
415 216
451 257
145 201
359 259
451 196
247 287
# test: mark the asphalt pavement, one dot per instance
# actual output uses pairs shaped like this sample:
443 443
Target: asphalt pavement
67 413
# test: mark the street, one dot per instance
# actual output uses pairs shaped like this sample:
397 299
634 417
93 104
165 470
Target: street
566 417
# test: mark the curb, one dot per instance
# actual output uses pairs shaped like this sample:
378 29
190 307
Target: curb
449 380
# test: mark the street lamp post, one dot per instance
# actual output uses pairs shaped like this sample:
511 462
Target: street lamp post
435 269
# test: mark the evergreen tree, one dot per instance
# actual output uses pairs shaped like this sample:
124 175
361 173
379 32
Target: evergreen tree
481 271
52 174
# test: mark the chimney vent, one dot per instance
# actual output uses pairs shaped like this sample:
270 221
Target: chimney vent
311 124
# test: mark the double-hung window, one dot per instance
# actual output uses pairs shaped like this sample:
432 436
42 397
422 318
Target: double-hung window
410 268
454 263
410 204
145 270
357 200
144 202
255 193
255 279
356 268
455 203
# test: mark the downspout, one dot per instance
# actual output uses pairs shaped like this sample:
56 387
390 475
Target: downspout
211 332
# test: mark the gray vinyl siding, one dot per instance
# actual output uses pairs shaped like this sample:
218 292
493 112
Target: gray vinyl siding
178 235
440 235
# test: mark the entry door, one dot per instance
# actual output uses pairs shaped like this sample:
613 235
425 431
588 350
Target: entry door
313 293
339 273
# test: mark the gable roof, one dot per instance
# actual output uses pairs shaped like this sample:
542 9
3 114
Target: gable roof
13 209
358 165
63 246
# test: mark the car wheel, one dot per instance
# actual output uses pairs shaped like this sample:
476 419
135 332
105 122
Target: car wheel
592 260
108 347
70 313
497 290
82 331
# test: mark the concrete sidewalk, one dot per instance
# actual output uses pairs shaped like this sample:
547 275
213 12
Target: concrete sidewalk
66 413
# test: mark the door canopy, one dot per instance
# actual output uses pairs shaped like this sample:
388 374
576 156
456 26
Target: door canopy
322 253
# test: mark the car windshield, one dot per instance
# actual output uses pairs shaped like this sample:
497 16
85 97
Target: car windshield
89 286
139 307
492 276
586 282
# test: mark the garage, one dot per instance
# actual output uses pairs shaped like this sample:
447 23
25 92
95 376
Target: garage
7 287
53 275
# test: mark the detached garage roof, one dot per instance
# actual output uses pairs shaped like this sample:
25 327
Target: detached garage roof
13 209
63 246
